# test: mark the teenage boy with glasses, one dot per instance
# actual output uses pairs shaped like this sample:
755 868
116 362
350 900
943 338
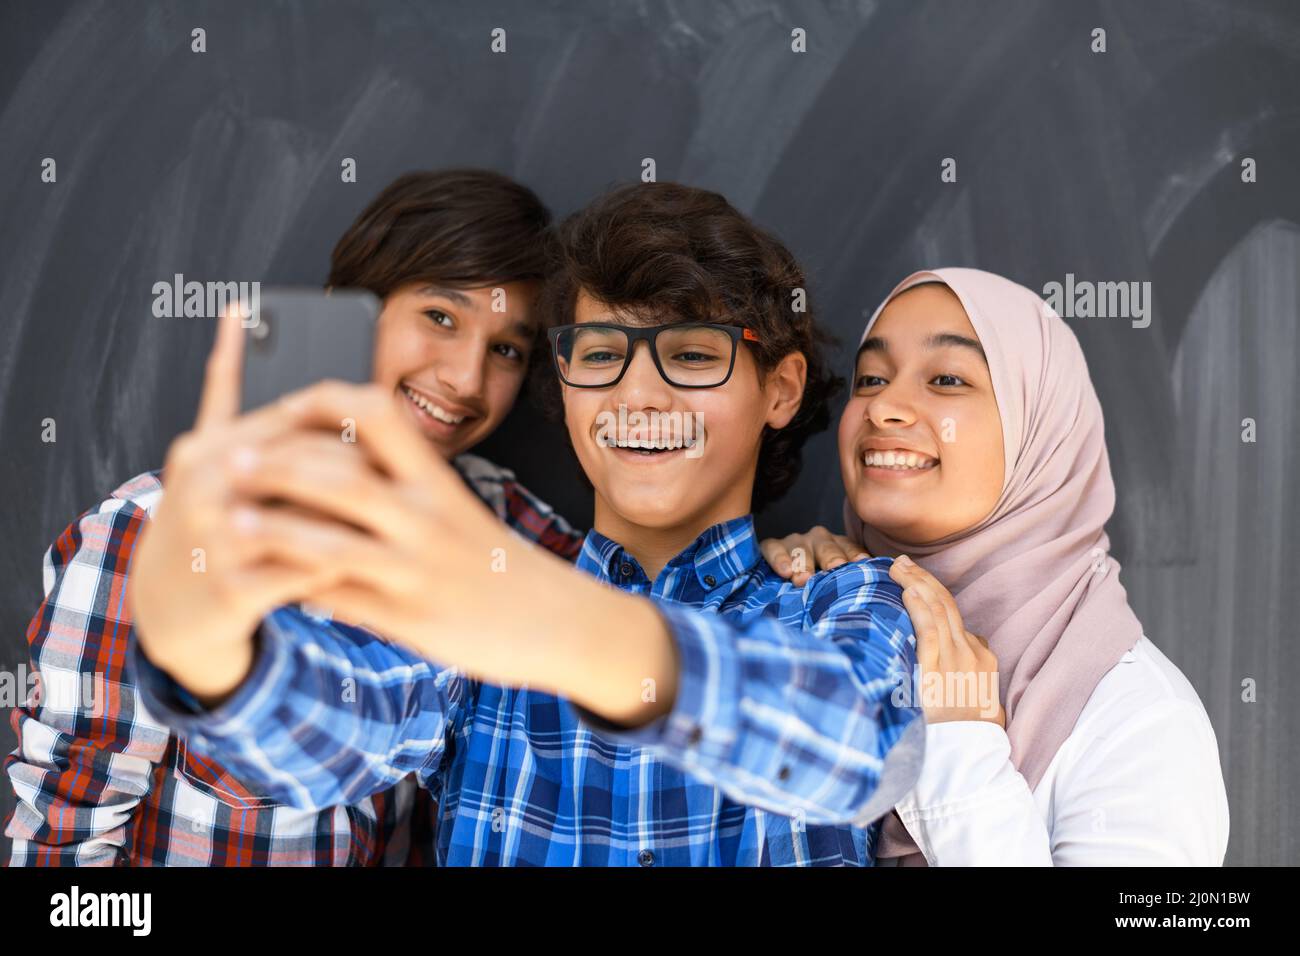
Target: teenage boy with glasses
732 718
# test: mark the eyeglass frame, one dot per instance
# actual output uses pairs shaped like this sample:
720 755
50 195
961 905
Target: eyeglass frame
649 334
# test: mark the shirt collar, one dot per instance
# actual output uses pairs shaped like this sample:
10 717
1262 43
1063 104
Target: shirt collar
718 555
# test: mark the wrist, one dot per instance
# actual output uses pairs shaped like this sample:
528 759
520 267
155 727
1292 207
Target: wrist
226 675
630 676
604 650
211 672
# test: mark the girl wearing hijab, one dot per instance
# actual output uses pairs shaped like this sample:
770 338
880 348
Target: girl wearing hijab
973 443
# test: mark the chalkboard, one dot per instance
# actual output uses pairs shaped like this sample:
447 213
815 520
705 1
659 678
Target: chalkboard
907 134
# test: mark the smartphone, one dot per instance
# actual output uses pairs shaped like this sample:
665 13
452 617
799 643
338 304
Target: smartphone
295 337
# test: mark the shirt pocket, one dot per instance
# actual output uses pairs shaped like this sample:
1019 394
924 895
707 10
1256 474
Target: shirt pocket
214 781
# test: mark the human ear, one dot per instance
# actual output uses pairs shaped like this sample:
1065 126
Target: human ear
784 387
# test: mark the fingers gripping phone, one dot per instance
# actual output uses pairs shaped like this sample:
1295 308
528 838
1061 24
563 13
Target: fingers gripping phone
295 337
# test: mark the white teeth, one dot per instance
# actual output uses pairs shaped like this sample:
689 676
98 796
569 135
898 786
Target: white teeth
899 460
433 409
662 444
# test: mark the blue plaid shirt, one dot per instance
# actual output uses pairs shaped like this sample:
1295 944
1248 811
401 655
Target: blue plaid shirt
784 745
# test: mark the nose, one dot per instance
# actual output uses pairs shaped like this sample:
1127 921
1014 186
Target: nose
891 407
642 386
461 371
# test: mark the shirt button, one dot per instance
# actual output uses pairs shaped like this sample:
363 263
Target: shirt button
783 774
709 581
625 569
645 858
695 737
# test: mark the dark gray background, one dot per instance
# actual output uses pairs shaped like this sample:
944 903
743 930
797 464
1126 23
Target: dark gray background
1121 166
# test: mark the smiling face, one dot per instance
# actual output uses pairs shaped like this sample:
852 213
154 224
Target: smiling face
675 492
452 362
921 450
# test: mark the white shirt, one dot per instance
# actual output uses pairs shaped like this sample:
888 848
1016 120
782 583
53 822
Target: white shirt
1137 782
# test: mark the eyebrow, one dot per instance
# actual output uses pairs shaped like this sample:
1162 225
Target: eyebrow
460 298
937 341
524 328
627 321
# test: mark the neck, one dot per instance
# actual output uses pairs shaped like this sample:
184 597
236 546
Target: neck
654 546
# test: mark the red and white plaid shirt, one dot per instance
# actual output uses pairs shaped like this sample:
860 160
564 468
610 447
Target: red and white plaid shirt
100 782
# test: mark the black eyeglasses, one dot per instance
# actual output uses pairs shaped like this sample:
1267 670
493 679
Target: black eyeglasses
594 355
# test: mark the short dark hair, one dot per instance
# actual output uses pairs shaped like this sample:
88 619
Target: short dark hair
462 228
667 252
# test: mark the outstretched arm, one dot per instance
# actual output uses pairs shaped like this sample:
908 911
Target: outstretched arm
328 715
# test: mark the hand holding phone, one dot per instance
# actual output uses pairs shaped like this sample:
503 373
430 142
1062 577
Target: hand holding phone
200 581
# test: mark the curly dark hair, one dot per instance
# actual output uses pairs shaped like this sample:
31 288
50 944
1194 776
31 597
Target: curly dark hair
666 252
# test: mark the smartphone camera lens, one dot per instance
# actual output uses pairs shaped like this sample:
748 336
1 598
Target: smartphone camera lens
260 330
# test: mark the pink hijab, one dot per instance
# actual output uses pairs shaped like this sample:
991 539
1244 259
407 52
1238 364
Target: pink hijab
1034 578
